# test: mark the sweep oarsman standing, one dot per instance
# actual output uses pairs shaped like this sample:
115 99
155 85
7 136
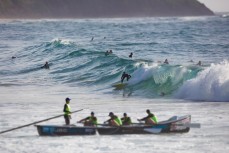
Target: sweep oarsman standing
67 111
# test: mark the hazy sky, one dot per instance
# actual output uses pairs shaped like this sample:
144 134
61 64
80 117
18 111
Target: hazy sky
217 5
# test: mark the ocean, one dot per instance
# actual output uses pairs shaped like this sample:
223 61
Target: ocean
79 69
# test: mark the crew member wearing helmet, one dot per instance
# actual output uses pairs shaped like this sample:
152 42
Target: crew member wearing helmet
151 119
90 120
114 120
67 111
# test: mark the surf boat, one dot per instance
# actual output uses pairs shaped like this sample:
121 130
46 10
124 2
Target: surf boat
173 125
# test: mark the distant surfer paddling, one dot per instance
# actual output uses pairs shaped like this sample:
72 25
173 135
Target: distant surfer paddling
125 75
108 52
199 63
46 66
166 61
131 55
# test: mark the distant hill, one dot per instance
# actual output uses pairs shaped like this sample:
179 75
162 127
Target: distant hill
100 8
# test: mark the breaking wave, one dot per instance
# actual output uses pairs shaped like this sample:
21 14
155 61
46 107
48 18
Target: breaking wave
212 84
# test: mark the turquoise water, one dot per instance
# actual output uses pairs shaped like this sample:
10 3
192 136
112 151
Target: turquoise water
77 60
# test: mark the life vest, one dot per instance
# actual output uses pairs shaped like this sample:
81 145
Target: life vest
154 119
93 120
126 120
67 109
118 121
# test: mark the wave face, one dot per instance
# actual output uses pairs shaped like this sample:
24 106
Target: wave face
77 60
160 79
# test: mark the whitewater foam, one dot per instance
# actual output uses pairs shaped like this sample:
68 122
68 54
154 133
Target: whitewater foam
212 84
62 41
144 71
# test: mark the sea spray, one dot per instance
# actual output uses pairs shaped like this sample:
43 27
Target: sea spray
211 84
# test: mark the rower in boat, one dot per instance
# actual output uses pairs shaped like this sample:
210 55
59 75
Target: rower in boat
114 120
151 119
90 120
126 120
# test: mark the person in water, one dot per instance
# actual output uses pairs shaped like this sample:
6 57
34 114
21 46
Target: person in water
67 111
199 63
114 120
106 53
126 120
162 94
131 54
46 66
90 120
151 119
125 75
166 61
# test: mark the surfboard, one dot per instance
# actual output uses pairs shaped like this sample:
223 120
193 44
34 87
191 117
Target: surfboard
119 86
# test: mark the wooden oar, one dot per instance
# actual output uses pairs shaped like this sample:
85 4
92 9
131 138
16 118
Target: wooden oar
19 127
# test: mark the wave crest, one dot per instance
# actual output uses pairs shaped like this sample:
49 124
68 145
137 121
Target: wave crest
58 42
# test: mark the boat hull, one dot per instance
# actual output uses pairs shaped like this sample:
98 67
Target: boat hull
53 130
173 125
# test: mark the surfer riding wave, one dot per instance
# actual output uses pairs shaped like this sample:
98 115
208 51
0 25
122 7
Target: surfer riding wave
125 75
